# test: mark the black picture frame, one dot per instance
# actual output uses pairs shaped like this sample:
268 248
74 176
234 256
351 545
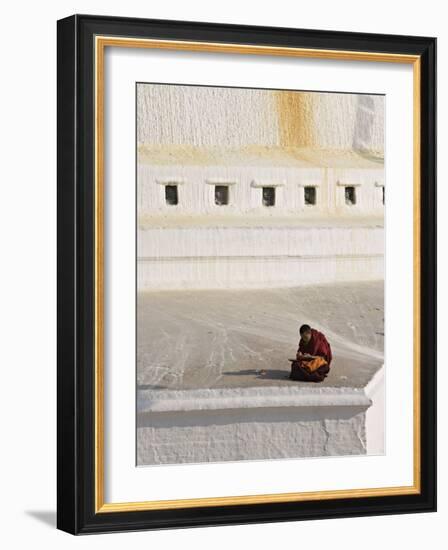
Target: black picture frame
76 286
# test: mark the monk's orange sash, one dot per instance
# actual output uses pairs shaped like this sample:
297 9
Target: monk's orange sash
313 364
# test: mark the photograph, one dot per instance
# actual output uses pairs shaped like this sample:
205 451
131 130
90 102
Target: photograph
260 261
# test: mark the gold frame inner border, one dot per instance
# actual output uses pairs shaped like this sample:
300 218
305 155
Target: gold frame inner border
101 42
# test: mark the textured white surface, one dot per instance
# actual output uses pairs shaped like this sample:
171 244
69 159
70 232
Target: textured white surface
251 434
195 137
246 398
212 116
248 257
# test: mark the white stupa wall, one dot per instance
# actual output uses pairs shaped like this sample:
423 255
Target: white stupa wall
260 434
201 116
198 244
260 423
196 188
171 258
195 138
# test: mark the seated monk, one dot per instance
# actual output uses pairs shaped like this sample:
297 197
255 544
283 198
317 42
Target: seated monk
312 363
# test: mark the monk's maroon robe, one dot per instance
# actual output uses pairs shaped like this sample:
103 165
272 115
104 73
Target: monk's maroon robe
318 345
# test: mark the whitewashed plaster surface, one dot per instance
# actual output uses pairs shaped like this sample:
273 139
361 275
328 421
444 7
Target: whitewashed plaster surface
213 370
206 117
251 434
197 137
260 256
212 365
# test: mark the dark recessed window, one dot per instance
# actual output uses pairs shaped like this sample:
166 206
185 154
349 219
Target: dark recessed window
310 194
221 195
384 195
268 196
350 195
171 196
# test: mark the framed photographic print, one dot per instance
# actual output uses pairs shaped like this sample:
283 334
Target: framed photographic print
246 274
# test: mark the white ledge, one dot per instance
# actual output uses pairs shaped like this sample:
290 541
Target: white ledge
171 181
259 185
149 400
348 184
220 181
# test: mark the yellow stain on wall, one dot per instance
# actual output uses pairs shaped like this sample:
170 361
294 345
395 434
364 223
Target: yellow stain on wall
295 119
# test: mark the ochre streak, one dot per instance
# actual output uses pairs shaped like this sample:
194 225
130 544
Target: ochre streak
295 119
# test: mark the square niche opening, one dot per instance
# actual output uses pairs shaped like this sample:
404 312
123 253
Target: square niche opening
309 193
221 195
268 196
350 195
171 195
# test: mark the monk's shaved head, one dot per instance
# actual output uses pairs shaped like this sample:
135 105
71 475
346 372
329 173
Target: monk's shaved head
305 333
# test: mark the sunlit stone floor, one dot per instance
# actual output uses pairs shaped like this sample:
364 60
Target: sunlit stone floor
191 339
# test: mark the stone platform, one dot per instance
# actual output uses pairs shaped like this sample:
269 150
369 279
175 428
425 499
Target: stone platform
212 374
